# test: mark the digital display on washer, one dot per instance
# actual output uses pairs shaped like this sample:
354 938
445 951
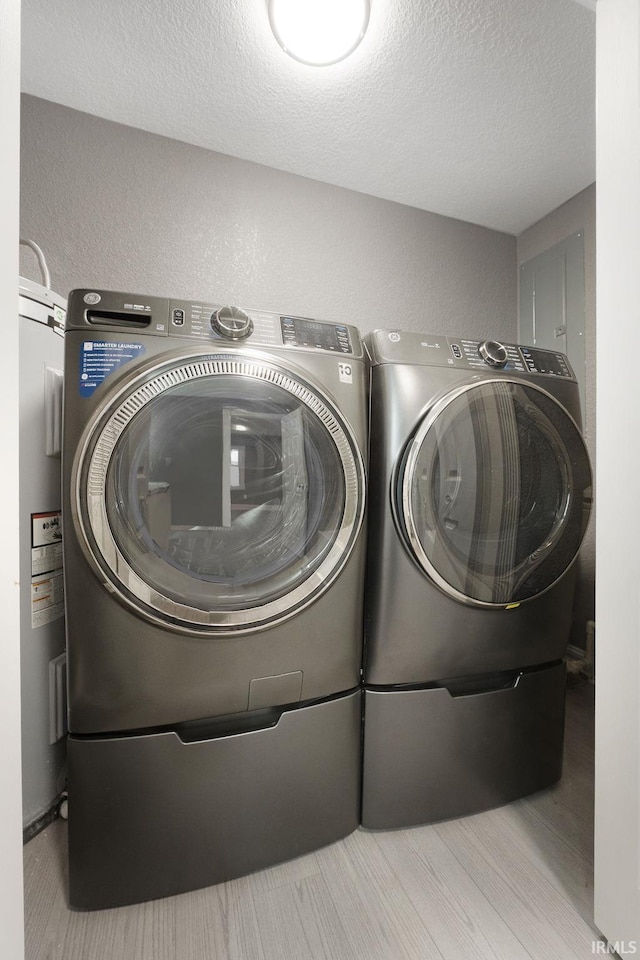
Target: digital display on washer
310 333
543 361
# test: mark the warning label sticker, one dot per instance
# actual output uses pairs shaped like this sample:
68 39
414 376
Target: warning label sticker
47 590
47 599
100 358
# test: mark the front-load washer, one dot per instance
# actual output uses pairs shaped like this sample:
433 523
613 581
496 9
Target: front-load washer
214 495
479 495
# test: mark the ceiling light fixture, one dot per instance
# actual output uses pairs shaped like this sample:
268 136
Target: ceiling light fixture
319 32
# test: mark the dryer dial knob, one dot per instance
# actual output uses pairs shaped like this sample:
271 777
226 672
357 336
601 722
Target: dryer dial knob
493 353
232 323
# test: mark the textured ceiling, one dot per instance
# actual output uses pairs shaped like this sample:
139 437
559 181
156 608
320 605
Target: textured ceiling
482 110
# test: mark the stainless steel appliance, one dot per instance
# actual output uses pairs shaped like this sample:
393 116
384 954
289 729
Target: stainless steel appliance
214 496
479 495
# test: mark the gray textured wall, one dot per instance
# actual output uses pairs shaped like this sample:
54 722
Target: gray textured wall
118 208
579 213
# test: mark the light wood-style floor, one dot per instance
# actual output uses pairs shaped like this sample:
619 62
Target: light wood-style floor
511 884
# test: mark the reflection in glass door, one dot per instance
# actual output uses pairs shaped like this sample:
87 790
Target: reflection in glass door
221 495
494 492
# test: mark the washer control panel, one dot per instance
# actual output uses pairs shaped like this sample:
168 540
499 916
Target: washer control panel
260 327
298 332
105 311
232 323
399 346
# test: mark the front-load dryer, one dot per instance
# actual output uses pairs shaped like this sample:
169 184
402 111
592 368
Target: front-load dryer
479 495
214 496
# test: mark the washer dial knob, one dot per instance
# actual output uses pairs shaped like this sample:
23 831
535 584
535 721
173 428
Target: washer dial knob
493 353
232 323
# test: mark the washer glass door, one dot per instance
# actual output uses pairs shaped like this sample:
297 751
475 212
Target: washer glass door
220 493
494 492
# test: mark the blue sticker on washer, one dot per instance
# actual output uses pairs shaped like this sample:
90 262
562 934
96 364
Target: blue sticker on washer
100 358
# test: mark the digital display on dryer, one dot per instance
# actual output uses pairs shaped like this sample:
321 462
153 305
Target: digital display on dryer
544 361
298 332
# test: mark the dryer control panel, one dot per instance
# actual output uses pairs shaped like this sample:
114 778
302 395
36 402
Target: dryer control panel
400 346
104 311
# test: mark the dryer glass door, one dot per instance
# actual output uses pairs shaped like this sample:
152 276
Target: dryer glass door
220 493
494 492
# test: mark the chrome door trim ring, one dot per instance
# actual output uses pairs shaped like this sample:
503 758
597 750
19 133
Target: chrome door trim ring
408 468
94 456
